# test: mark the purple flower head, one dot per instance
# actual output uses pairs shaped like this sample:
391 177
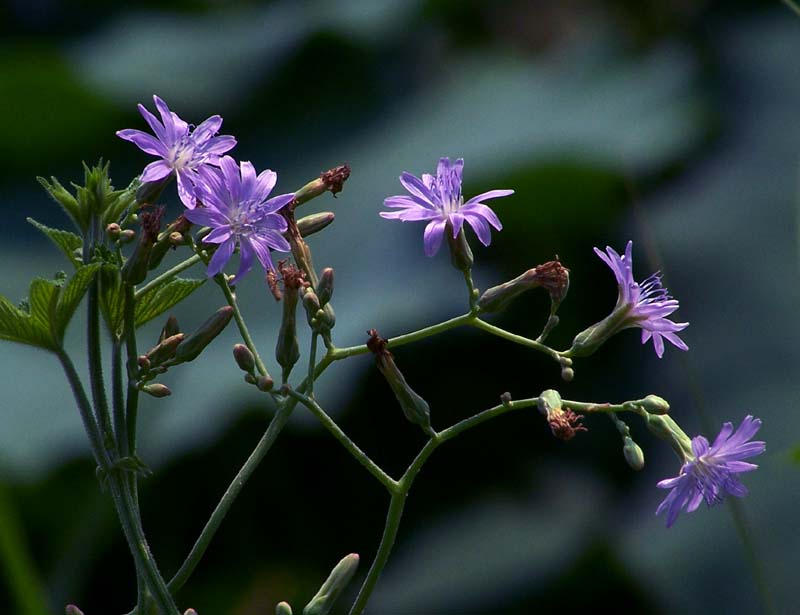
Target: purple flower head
439 200
236 205
183 150
711 472
648 303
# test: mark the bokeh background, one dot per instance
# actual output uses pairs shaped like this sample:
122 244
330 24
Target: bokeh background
674 124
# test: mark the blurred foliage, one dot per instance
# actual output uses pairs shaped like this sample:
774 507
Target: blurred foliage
585 108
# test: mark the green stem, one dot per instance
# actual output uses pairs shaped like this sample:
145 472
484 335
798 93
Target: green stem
237 484
145 565
517 339
93 343
400 340
403 486
132 403
393 517
118 398
312 363
240 323
169 273
348 444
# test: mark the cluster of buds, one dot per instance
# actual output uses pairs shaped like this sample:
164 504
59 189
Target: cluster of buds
415 409
247 363
136 267
564 423
174 348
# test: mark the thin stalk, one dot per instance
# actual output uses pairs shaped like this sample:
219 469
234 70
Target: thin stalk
169 273
118 398
93 343
400 340
132 403
237 484
393 517
312 363
145 565
240 323
517 339
348 444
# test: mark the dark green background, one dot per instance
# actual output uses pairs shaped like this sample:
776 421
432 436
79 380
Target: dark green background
674 124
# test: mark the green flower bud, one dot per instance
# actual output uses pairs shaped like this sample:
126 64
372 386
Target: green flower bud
157 390
244 358
654 404
549 401
589 340
127 236
340 576
325 286
113 230
633 454
283 608
308 225
192 346
287 349
311 305
552 276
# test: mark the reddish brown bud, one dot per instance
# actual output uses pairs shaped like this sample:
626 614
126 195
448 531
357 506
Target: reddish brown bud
334 178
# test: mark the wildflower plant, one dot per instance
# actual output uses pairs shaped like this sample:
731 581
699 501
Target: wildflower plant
115 253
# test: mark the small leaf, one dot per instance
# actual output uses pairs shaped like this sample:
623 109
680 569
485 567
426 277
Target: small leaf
43 296
18 326
67 242
71 296
158 300
67 201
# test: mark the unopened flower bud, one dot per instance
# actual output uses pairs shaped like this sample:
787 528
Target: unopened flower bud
567 374
460 253
287 349
157 389
308 225
165 349
634 456
311 305
193 345
144 363
127 236
176 239
250 378
654 404
334 178
341 575
113 230
414 407
244 358
325 286
264 383
590 339
170 328
72 610
283 608
135 269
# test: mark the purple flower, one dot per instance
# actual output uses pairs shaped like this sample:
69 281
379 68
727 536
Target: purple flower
236 206
647 304
710 473
439 200
182 150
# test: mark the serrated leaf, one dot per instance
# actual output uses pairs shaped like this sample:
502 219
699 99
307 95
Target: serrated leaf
158 300
43 296
19 326
67 242
71 296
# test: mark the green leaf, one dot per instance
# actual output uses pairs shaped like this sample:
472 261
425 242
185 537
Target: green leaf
33 327
67 201
67 242
795 455
161 298
71 296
